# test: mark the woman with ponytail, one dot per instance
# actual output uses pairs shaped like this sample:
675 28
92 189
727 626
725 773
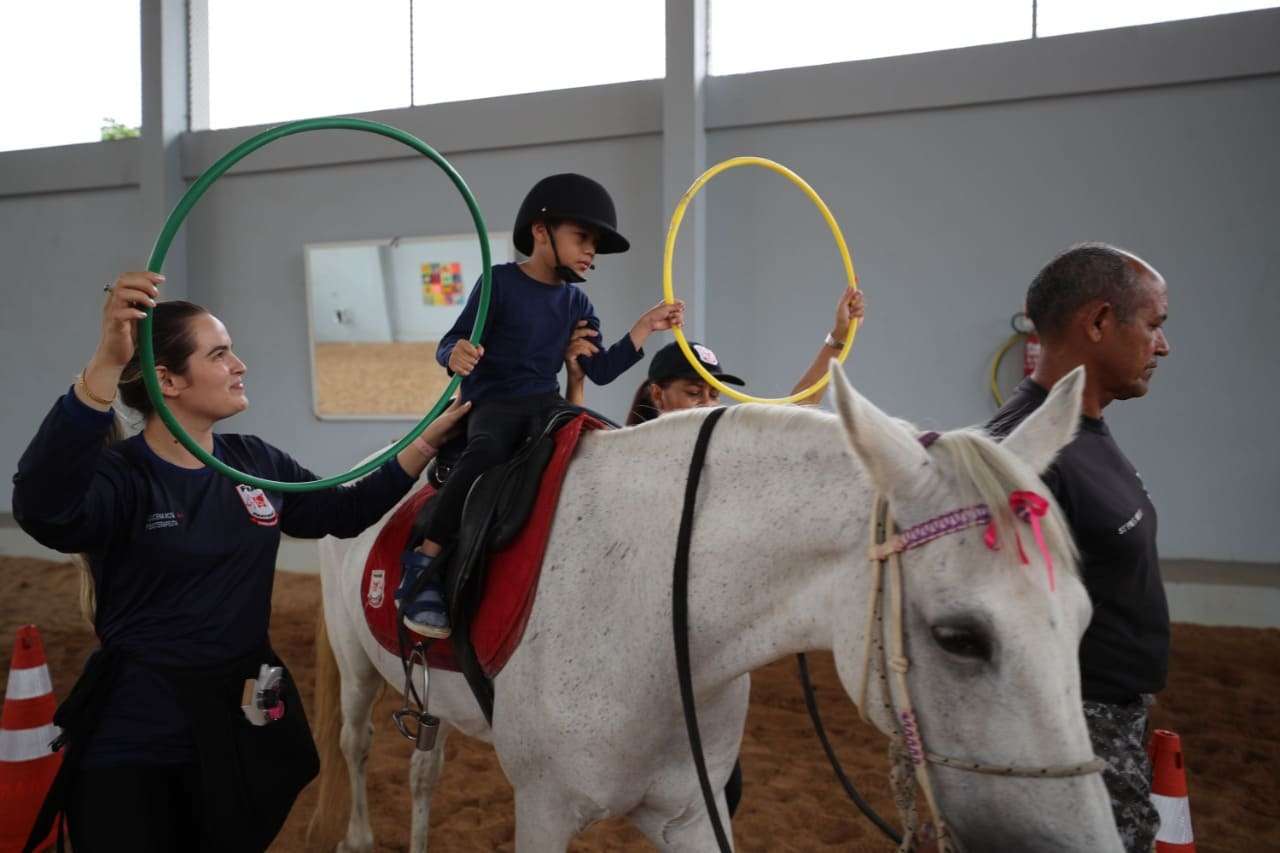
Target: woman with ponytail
159 754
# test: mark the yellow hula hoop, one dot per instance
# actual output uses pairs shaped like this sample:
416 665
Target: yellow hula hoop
995 365
669 253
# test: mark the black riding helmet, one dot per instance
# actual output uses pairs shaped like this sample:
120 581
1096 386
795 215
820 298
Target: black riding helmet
575 197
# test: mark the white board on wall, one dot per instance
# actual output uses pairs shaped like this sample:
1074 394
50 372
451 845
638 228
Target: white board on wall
347 300
375 309
433 276
400 289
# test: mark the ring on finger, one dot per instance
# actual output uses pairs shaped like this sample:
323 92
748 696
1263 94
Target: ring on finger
108 287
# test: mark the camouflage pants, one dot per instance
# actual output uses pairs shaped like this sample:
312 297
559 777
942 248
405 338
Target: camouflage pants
1119 735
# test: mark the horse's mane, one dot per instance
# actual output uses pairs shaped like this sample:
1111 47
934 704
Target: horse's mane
981 464
976 464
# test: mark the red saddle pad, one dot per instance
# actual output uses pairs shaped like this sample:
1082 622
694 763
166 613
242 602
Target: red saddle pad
512 581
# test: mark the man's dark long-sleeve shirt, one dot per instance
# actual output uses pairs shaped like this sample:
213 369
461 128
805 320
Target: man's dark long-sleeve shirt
525 336
1125 649
183 560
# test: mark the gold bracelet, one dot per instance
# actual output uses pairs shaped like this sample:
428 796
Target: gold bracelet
84 386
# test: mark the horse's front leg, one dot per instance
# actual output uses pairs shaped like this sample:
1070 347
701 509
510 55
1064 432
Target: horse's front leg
425 768
358 691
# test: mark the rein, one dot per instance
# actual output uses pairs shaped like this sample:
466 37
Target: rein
887 651
680 623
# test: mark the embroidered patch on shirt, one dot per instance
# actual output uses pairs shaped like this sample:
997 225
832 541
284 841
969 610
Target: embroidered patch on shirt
260 509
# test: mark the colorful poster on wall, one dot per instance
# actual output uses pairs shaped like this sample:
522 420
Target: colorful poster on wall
442 283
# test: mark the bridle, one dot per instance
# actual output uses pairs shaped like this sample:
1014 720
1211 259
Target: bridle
887 653
884 648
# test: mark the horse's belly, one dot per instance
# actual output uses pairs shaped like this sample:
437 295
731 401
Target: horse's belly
608 726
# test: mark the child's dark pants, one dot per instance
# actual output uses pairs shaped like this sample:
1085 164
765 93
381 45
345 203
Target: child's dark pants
495 431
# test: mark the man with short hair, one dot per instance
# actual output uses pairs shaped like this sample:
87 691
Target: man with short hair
1105 308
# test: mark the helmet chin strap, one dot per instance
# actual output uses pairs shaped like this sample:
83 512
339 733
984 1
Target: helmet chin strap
564 273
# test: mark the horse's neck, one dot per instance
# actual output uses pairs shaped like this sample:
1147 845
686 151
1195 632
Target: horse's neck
778 561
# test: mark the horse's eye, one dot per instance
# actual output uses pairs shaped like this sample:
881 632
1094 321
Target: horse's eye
964 641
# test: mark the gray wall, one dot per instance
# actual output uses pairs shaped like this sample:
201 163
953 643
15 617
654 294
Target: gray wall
58 251
949 214
955 176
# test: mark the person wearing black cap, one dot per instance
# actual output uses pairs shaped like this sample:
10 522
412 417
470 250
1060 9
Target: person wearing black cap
510 378
673 384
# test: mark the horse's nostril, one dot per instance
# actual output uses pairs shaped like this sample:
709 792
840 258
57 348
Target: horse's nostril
963 641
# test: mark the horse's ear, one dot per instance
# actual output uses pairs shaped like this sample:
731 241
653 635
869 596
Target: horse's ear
888 449
1048 429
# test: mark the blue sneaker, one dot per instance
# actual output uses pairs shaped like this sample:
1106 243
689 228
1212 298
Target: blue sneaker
427 613
412 564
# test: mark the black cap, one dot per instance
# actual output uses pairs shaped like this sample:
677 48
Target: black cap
670 363
570 196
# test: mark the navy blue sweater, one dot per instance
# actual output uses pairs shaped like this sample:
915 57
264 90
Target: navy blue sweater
183 560
525 336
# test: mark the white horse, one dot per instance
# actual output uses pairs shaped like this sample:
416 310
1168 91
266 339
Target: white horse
587 721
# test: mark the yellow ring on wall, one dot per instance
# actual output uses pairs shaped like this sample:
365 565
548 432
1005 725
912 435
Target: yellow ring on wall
668 256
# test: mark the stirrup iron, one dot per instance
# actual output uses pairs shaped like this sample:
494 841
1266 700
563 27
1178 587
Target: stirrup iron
423 733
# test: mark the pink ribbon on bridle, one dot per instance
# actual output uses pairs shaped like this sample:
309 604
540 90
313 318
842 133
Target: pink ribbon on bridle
1028 507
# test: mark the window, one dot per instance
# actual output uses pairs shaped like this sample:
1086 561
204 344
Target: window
287 59
756 35
465 50
1058 17
69 70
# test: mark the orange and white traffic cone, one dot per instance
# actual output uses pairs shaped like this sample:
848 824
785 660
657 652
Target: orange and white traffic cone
27 766
1169 794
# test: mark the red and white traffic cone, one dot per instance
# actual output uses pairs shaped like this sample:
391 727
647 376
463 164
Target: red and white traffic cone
27 765
1169 794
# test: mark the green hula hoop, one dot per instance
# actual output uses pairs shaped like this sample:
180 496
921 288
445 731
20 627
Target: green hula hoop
179 214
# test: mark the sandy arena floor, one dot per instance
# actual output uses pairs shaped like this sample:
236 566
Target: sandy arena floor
1222 699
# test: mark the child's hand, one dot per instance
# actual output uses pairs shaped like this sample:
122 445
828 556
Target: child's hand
464 357
662 317
580 343
848 309
659 318
445 426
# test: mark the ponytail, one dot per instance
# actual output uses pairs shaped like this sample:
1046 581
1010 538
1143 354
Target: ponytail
173 342
642 408
88 592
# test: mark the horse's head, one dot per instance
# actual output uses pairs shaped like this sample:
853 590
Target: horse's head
990 633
